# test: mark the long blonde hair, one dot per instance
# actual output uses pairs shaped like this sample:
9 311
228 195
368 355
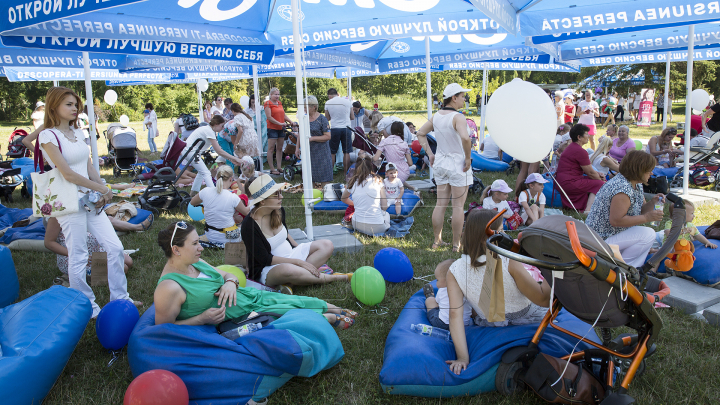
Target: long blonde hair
602 148
375 118
224 173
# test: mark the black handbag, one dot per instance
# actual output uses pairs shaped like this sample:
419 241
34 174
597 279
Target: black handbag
656 184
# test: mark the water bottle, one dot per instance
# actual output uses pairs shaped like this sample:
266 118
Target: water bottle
241 331
428 330
659 206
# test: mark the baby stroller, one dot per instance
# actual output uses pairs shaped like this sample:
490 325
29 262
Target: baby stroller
289 148
161 191
9 180
599 290
122 148
16 149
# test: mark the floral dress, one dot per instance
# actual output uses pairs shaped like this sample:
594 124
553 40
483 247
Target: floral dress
599 218
248 141
92 245
320 157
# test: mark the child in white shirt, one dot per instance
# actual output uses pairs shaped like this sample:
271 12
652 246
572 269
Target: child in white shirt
393 187
497 198
532 199
438 305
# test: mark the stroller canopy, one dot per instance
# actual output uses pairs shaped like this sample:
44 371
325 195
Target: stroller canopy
123 138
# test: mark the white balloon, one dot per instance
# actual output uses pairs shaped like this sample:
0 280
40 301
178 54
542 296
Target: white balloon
522 121
202 84
700 99
124 120
244 102
110 97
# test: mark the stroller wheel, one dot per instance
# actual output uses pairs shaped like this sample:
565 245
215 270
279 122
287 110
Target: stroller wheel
509 171
288 173
506 381
116 172
24 192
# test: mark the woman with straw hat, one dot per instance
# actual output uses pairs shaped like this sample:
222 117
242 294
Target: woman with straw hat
274 258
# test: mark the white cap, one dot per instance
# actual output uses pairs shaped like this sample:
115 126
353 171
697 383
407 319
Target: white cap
535 178
500 185
39 104
453 89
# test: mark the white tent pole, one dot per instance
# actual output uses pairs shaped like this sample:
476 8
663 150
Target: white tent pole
688 108
303 119
481 130
200 106
667 89
428 83
258 113
91 111
55 83
349 83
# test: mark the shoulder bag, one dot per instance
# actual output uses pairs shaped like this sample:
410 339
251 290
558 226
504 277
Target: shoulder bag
53 196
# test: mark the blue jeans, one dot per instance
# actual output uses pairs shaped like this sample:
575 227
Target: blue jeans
151 143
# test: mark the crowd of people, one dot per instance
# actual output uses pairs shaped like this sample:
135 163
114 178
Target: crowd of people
246 205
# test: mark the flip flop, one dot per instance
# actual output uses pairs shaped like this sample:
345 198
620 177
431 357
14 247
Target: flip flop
438 244
275 172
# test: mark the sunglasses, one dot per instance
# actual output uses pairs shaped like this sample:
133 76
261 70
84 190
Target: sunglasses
180 224
218 99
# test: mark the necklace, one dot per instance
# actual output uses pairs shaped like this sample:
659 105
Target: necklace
69 134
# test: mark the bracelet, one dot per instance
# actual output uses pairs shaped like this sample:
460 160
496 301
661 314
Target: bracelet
109 191
236 282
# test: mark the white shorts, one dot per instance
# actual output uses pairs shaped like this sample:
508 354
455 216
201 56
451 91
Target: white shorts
302 251
448 170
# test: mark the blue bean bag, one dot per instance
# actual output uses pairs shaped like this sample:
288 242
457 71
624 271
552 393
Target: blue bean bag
507 158
482 163
330 206
552 196
140 217
414 364
410 202
37 336
218 371
706 269
8 216
9 285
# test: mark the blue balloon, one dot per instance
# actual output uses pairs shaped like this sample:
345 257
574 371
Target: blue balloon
394 265
115 323
196 213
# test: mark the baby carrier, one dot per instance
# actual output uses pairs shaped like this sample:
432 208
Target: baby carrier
16 149
598 289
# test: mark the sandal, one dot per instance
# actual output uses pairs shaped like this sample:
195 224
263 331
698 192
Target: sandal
285 289
151 218
438 244
348 322
275 172
456 249
428 290
348 275
348 313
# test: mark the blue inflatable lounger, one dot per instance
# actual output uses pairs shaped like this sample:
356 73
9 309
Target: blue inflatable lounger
706 269
219 371
414 364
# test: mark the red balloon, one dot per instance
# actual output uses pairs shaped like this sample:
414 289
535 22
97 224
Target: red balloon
415 146
157 387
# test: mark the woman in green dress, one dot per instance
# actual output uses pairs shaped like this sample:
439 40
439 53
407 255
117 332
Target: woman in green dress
192 292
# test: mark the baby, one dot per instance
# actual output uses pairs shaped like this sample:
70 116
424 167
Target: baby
393 187
438 306
682 259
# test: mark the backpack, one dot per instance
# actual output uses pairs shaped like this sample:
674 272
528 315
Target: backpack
189 122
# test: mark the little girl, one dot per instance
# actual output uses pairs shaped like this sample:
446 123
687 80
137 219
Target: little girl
393 187
526 300
396 151
497 198
532 199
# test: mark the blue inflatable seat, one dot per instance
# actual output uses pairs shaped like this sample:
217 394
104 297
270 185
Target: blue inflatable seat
9 285
480 162
330 206
219 371
37 337
410 201
706 269
414 364
552 196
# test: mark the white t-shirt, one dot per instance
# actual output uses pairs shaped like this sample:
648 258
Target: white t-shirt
38 118
443 301
366 198
598 167
180 124
216 111
490 148
699 142
153 128
539 199
489 204
560 109
205 133
76 153
386 122
587 119
392 189
339 109
219 208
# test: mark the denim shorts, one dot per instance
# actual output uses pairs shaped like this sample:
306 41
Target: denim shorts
275 133
433 316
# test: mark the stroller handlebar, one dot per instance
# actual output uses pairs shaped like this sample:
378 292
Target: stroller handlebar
498 237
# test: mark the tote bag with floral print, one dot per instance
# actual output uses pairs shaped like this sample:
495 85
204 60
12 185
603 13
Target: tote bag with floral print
53 196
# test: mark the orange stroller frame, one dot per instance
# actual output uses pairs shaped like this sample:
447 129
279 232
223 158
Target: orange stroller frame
616 361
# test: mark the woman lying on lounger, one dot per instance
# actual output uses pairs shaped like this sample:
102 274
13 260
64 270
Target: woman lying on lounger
192 292
526 301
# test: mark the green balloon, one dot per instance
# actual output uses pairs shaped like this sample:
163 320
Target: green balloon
316 194
638 145
368 285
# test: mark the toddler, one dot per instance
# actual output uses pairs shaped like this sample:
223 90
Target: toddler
497 198
689 231
532 199
438 306
393 187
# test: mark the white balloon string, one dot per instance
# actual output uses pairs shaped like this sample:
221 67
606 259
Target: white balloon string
576 211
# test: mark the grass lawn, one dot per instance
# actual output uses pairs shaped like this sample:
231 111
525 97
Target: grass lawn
684 370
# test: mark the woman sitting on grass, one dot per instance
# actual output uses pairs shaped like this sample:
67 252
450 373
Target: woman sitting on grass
192 292
526 301
368 198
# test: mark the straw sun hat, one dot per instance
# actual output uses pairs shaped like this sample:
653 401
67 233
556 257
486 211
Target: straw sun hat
263 187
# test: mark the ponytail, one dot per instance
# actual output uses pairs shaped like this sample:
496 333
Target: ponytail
224 172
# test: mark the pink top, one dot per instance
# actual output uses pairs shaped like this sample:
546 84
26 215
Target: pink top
619 152
395 150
